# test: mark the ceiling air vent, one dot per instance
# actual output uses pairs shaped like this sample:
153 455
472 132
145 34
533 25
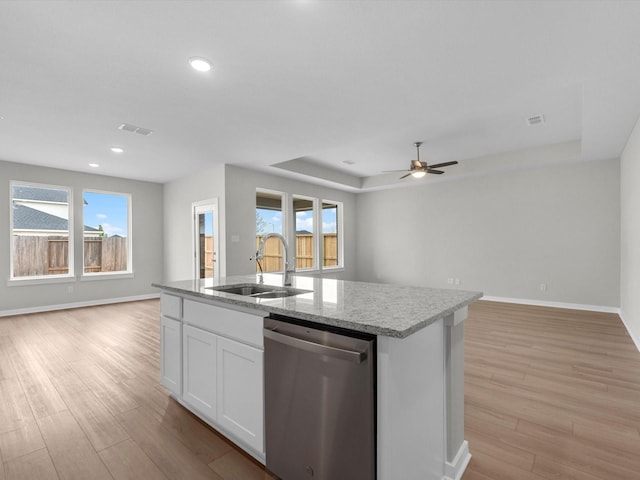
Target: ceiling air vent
535 120
133 129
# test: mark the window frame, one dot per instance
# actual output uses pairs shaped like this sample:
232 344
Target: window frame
285 210
40 279
315 244
339 233
128 273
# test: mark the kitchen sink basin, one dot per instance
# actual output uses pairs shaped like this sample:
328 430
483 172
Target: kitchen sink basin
260 291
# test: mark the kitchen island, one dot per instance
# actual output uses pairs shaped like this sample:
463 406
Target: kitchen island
419 332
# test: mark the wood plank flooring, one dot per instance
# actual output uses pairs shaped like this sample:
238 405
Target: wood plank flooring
80 400
549 394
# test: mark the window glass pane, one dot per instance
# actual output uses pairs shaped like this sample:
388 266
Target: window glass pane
269 219
106 232
41 245
330 232
205 244
303 209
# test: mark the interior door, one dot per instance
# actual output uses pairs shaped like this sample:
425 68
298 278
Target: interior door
205 223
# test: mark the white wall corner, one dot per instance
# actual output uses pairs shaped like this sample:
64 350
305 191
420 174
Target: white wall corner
636 340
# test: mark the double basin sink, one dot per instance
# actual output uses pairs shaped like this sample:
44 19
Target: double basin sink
257 290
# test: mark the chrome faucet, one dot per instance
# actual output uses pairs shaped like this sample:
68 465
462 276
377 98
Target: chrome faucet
285 245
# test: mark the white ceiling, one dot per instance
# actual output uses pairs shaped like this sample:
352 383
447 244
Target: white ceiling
321 81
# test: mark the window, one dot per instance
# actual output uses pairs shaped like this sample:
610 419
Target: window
41 246
106 232
317 238
269 219
331 234
303 209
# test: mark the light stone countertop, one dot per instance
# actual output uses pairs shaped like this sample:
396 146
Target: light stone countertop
376 308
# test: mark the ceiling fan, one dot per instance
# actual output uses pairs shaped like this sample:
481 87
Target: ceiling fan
419 169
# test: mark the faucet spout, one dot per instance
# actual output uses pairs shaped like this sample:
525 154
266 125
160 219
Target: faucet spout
287 270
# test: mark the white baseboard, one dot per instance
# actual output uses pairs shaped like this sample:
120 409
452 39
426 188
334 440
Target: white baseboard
543 303
455 469
88 303
635 339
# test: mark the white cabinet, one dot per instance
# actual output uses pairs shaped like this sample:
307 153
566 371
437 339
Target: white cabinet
171 354
240 391
212 360
199 371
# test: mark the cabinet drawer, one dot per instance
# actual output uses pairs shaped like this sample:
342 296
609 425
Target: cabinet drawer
245 327
171 306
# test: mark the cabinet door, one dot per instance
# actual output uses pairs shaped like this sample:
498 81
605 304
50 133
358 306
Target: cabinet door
199 370
241 392
171 354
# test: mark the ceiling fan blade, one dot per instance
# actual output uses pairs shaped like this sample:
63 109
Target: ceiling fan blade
445 164
437 172
405 176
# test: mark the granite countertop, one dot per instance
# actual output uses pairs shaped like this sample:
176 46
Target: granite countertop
380 309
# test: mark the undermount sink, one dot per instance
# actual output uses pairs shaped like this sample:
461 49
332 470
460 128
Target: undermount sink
259 291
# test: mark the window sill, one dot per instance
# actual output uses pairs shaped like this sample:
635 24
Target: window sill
25 281
90 277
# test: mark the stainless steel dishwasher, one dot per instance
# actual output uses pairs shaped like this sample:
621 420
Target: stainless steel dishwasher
319 402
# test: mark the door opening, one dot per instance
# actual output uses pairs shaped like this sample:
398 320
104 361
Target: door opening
205 223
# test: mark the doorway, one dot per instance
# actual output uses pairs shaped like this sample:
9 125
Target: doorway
205 224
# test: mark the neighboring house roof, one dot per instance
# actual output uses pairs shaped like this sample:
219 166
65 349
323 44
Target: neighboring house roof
303 232
23 192
26 218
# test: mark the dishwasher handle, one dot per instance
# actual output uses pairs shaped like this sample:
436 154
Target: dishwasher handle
335 352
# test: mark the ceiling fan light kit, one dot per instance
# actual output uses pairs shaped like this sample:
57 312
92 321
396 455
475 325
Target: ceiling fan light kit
419 169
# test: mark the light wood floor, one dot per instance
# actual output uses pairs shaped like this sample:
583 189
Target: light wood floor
548 394
80 399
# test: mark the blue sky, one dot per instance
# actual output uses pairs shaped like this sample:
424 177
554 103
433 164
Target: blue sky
304 220
106 209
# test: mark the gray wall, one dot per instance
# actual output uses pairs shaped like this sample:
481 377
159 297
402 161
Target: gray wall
503 234
241 187
630 235
147 235
235 189
179 196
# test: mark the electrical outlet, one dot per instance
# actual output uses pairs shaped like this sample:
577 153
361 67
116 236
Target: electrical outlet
543 287
450 281
70 289
457 281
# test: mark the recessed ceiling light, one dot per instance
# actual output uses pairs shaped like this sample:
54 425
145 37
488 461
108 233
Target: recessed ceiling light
200 64
94 165
117 149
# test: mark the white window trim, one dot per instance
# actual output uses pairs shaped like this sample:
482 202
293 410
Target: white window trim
41 279
339 233
289 230
285 210
316 244
128 273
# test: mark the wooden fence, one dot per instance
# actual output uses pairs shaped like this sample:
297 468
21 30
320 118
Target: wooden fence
40 255
272 261
206 268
